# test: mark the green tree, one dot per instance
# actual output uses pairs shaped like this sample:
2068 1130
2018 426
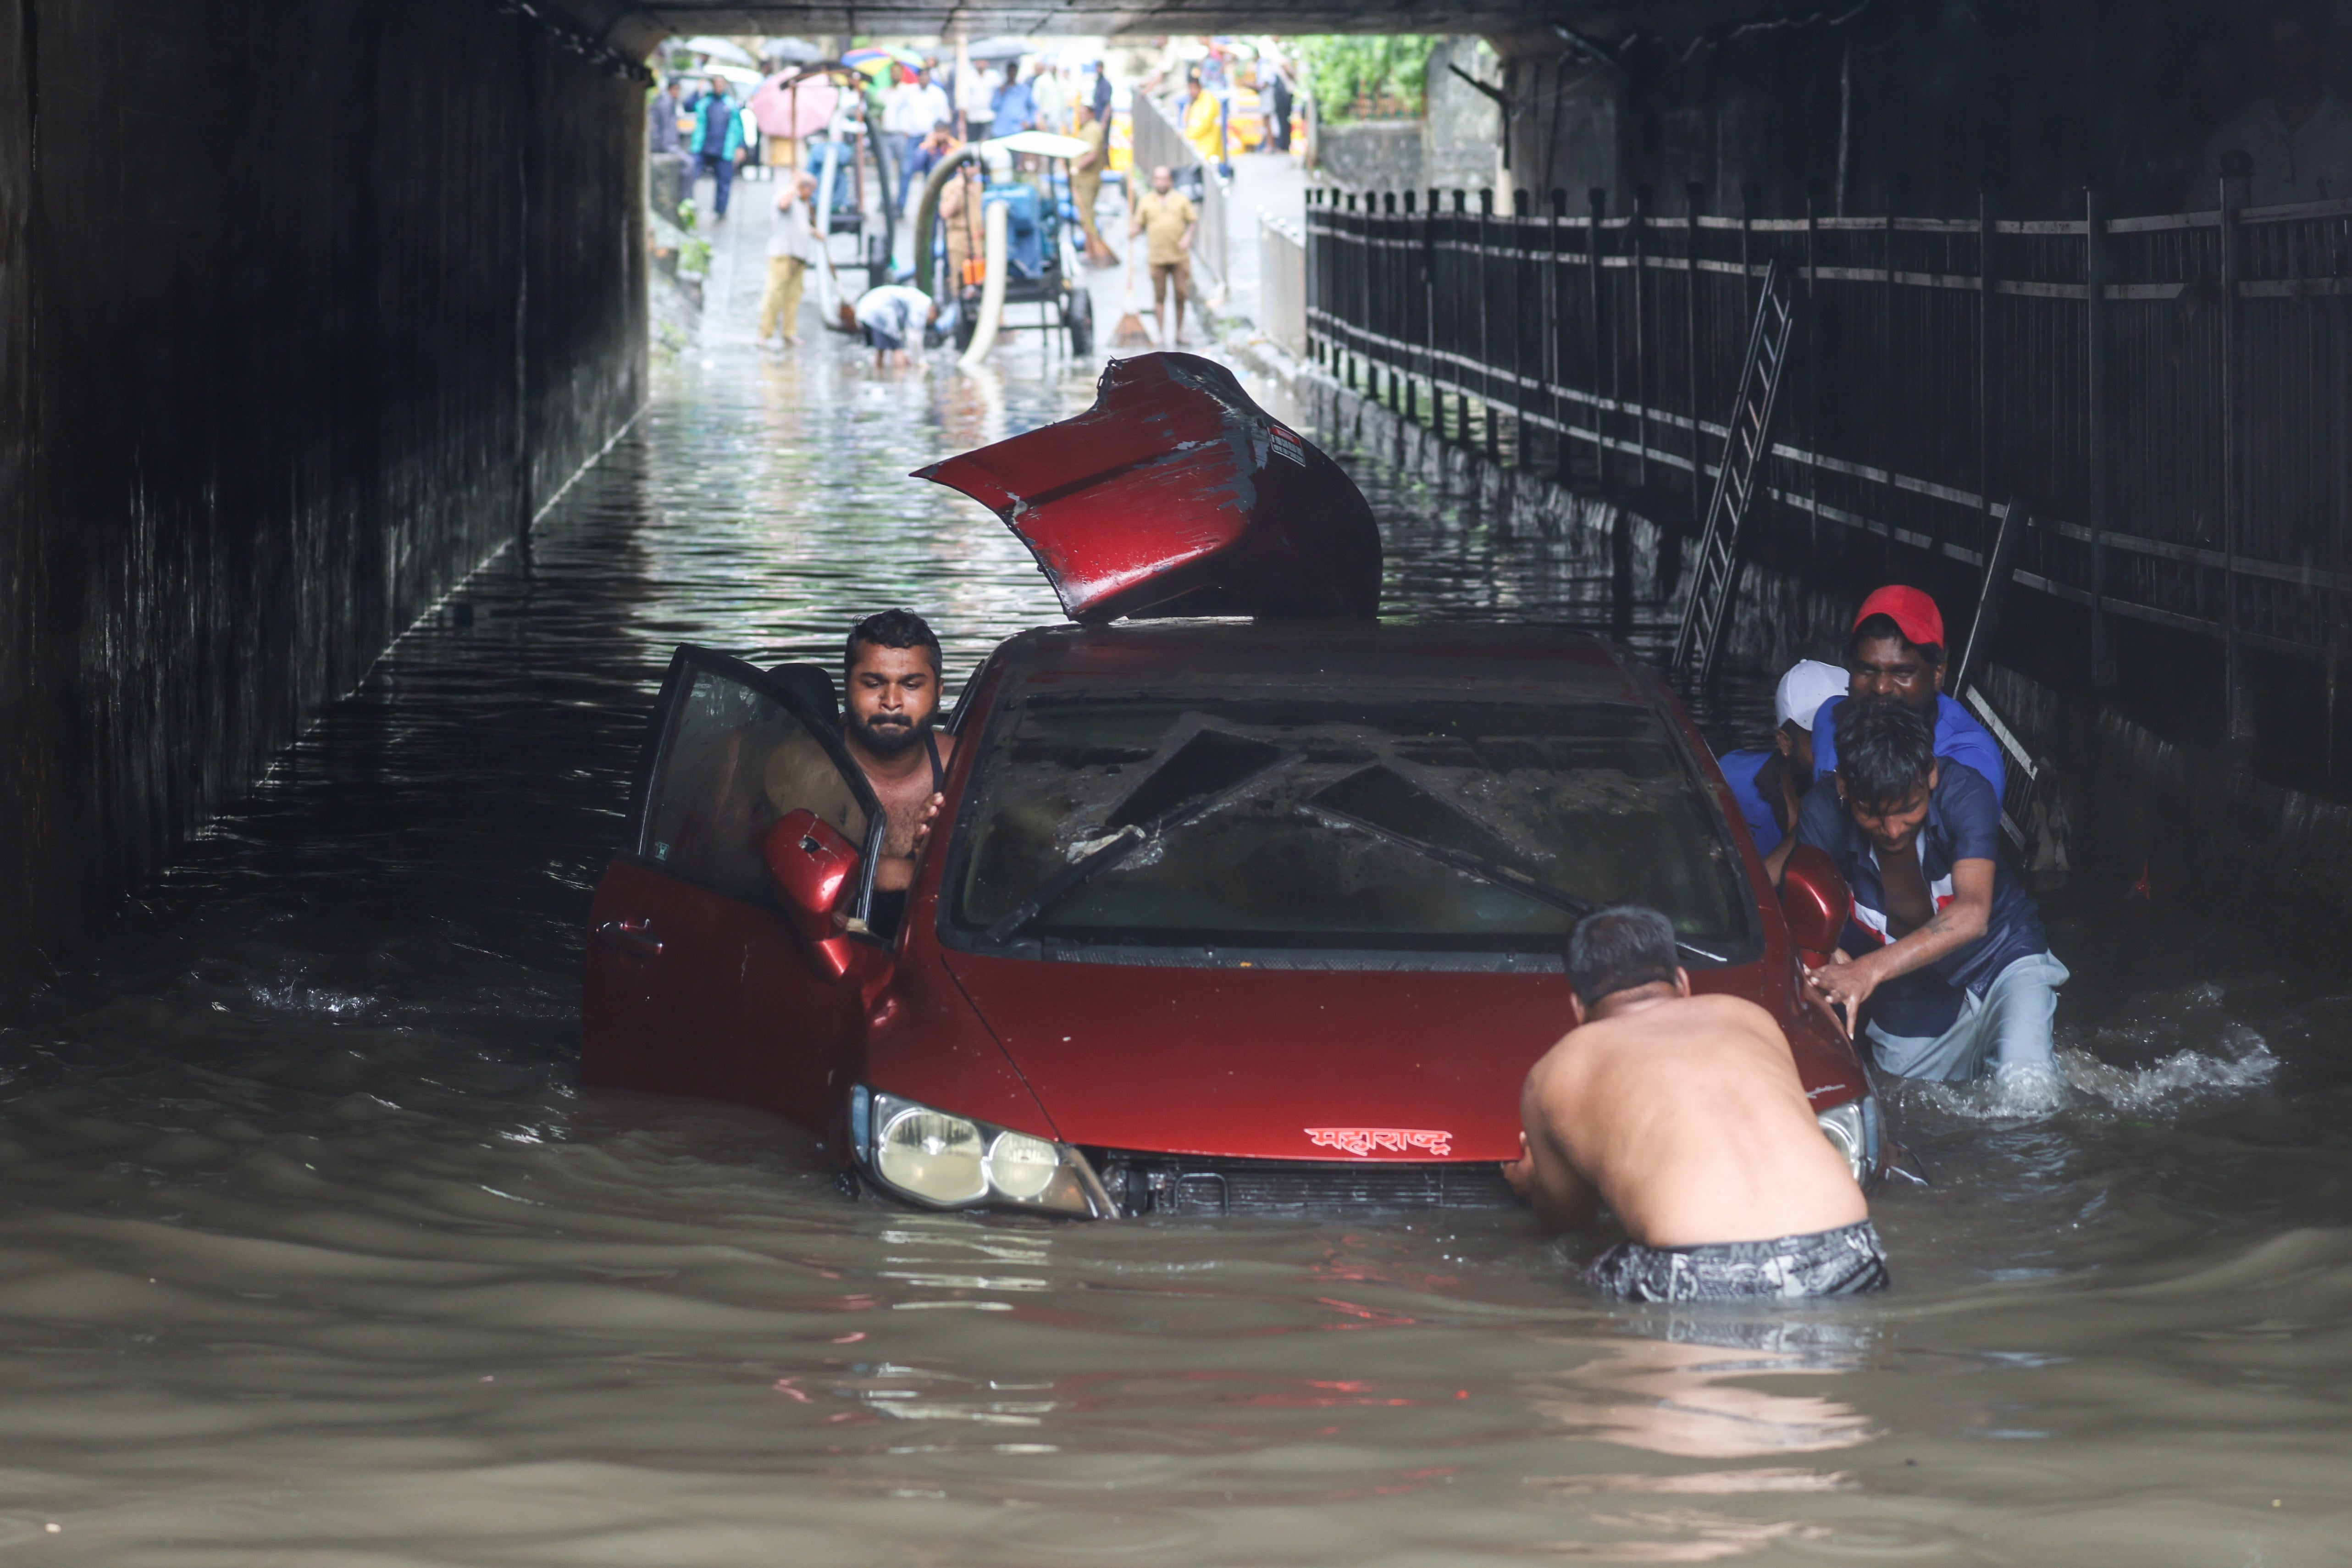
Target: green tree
1342 68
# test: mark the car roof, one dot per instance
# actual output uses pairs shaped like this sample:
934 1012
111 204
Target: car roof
1549 661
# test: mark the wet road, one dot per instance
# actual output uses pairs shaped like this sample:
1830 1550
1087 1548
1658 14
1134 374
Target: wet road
314 1250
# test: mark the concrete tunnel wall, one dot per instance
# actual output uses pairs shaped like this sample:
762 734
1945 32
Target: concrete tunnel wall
305 310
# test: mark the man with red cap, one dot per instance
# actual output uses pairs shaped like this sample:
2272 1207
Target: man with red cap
1897 651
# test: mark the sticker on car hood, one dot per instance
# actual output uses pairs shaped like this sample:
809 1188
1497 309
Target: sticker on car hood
1363 1142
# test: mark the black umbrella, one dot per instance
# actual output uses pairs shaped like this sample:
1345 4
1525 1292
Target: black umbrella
1000 49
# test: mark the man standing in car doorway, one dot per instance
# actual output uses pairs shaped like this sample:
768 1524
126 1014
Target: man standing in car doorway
891 675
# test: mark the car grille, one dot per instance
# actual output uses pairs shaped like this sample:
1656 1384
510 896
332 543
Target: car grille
1178 1184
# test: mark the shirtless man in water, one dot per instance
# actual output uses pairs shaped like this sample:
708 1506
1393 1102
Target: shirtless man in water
891 668
1684 1115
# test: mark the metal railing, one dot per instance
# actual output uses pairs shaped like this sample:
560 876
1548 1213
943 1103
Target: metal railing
1281 284
1158 141
2172 395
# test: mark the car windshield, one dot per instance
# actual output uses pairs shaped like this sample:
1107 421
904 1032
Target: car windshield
1336 820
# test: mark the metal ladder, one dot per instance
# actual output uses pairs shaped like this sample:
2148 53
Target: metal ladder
1716 579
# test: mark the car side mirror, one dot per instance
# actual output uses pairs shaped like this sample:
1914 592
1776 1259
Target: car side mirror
813 866
1817 902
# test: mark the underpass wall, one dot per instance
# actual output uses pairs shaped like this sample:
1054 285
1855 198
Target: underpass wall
305 310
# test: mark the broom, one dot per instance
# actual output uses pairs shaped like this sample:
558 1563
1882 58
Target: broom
1129 333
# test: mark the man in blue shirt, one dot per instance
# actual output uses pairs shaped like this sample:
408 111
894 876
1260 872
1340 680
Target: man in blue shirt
1017 103
1946 949
1770 785
1897 650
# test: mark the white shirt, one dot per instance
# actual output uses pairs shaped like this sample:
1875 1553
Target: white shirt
790 232
927 105
2310 163
894 108
1051 99
976 92
895 308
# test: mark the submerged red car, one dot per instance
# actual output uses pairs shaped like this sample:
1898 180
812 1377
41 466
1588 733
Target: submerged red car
1222 915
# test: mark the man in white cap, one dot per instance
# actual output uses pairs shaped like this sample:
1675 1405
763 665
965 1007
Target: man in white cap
1770 785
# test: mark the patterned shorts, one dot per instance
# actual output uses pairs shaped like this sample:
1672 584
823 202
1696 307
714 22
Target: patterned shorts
1842 1262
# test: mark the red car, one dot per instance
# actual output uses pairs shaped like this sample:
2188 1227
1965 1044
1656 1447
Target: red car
1222 916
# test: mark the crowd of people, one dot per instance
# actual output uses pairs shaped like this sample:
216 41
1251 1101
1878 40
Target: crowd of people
917 111
919 114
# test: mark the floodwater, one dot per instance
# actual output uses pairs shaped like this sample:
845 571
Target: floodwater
315 1251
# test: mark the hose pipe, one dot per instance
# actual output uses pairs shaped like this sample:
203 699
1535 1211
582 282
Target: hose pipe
991 291
927 214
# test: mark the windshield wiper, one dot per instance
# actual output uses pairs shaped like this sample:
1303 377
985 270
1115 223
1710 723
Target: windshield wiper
1365 790
1204 773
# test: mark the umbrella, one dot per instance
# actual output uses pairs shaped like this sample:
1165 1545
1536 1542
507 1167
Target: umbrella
794 113
735 74
1038 144
792 51
874 61
1000 49
720 50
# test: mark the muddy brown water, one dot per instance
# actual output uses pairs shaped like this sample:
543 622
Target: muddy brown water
315 1251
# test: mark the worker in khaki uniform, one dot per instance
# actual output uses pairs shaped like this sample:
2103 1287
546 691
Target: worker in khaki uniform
793 250
1164 216
961 215
1085 181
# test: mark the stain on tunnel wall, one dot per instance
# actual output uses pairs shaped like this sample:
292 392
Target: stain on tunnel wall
305 310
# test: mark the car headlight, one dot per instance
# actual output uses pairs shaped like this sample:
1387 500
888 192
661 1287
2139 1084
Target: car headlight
1853 1131
946 1160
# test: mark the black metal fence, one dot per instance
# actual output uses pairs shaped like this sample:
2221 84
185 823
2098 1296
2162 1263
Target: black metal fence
2171 395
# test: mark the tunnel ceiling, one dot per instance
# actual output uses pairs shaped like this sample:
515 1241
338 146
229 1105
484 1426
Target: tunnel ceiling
636 27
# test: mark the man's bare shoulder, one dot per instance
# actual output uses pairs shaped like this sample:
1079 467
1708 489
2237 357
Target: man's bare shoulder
1731 1011
1684 1017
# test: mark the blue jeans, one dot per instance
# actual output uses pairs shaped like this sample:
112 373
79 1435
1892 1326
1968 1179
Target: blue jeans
2005 1031
721 169
895 146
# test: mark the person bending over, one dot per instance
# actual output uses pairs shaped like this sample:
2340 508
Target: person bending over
1946 957
892 315
1684 1115
892 675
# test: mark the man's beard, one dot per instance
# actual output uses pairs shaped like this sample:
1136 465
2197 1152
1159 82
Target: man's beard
889 736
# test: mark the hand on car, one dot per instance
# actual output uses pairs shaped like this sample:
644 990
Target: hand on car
923 826
1521 1173
896 873
1845 982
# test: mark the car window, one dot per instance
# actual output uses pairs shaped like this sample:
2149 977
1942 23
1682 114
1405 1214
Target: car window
734 758
1333 847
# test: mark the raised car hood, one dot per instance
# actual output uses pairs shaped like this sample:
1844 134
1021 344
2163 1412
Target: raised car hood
1271 1063
1176 495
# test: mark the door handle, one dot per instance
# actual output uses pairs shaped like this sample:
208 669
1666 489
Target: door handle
630 939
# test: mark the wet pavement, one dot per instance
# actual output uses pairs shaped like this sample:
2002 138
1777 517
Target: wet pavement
315 1251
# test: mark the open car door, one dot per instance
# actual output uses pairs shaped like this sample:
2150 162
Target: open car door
697 982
